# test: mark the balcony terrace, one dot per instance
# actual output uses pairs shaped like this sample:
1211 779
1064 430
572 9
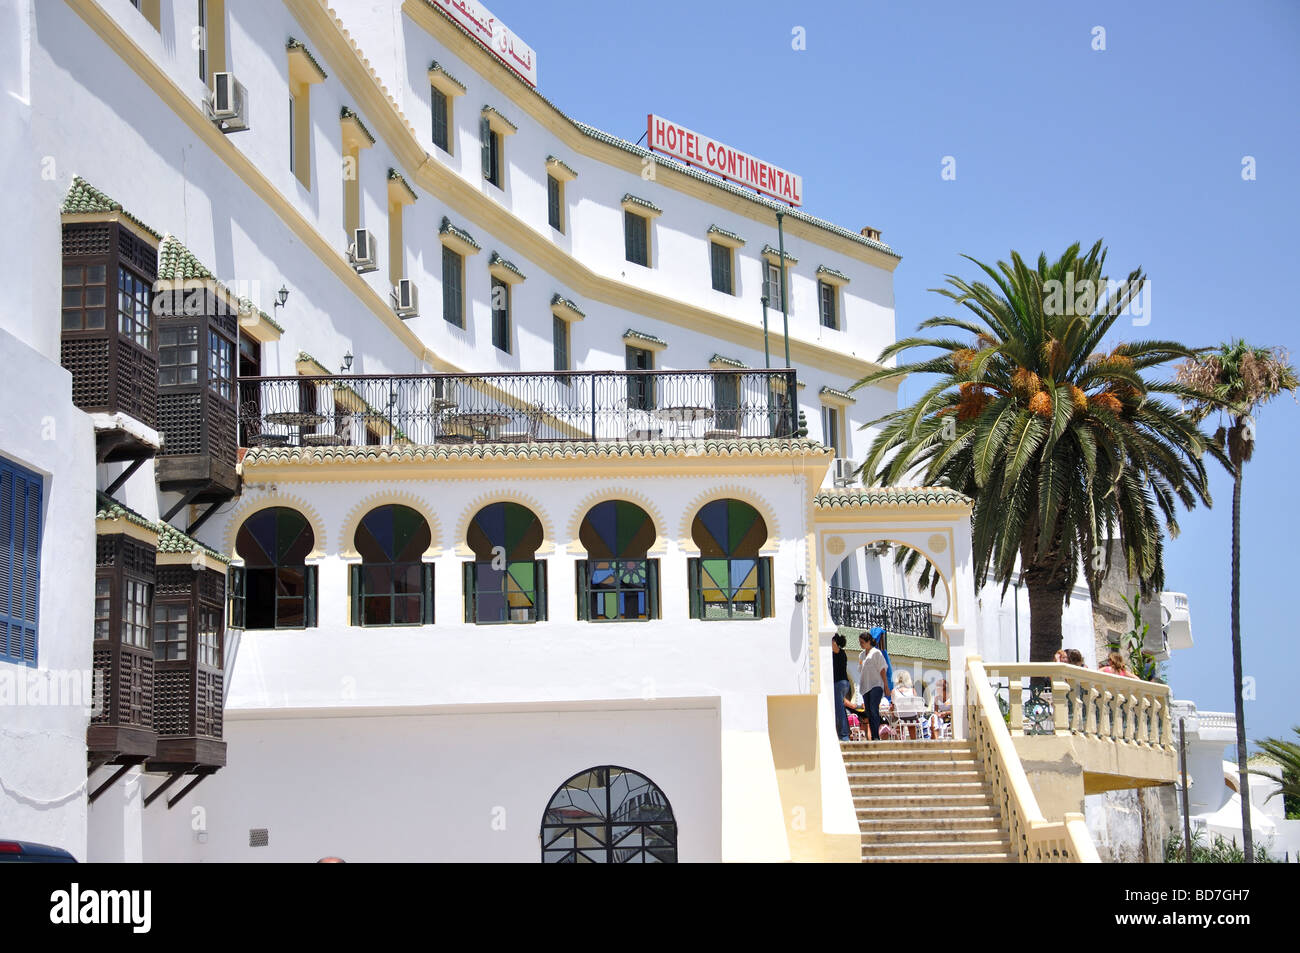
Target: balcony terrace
517 407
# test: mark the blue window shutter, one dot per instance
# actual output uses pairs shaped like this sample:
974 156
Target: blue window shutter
693 584
20 562
652 586
471 614
354 583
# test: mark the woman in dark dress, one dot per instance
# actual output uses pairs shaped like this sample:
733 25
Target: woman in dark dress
840 675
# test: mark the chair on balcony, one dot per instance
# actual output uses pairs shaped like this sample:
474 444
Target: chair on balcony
255 434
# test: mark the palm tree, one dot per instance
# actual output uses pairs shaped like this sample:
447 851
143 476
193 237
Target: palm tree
1287 755
1062 446
1237 379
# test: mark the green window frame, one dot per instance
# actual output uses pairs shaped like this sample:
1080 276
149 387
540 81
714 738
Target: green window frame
555 203
725 588
720 256
618 590
636 238
391 594
453 287
500 315
491 147
826 295
438 101
276 586
497 596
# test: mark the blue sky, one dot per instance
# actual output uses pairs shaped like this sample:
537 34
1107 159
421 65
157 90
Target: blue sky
1054 142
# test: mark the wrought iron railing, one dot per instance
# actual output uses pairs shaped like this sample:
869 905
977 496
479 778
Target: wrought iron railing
674 406
866 610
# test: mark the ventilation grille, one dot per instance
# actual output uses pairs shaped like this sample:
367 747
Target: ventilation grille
171 709
137 253
259 837
103 671
137 557
137 383
209 700
87 360
85 240
174 581
135 690
180 418
221 431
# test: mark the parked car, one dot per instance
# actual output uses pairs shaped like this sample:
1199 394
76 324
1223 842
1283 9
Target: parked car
25 852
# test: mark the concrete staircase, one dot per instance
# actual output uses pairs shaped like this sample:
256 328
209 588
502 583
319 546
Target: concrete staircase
924 801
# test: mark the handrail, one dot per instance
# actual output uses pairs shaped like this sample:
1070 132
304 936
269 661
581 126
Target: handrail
1099 706
1034 838
863 610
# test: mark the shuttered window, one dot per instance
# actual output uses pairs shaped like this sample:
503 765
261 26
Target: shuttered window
560 332
501 315
453 298
826 295
491 146
721 256
439 99
555 203
20 562
636 238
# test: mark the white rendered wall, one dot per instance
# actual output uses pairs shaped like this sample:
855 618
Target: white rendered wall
437 785
43 720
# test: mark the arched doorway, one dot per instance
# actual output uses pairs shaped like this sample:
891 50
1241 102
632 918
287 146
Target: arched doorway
609 815
276 588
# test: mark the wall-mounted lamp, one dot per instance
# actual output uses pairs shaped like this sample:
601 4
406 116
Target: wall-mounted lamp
347 362
281 297
800 589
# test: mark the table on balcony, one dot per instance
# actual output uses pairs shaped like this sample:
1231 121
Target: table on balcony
322 440
296 418
683 417
477 421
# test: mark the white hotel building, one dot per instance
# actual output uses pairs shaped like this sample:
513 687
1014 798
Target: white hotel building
494 538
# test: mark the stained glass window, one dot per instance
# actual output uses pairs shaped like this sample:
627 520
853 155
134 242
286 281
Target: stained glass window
730 580
279 588
392 586
504 582
609 815
617 581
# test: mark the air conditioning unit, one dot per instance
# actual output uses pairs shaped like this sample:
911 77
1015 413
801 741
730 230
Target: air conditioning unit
362 252
228 103
406 299
844 472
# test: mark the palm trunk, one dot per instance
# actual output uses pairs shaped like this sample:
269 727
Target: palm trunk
1247 839
1046 603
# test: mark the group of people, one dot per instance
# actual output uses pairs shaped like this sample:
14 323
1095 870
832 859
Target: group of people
879 686
1115 664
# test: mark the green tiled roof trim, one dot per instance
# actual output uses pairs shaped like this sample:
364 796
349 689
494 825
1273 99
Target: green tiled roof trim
395 176
449 229
84 199
436 67
836 392
832 273
901 646
178 263
715 230
349 113
600 136
563 302
891 496
729 361
568 449
509 266
294 44
172 540
493 111
644 203
770 252
107 508
556 160
633 335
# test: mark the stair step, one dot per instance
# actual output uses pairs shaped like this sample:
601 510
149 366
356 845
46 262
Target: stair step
913 766
873 757
1002 858
910 803
891 745
940 810
988 822
934 848
858 776
911 788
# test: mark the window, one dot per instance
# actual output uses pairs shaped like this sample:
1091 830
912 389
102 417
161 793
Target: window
640 387
726 401
210 637
609 815
831 430
20 562
492 148
721 257
304 72
221 355
103 606
501 315
616 581
211 39
560 336
276 587
826 295
178 354
171 622
504 582
133 308
392 586
85 297
453 296
555 202
203 40
137 610
772 284
441 112
636 238
293 134
730 580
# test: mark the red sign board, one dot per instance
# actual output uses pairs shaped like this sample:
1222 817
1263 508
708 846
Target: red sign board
713 156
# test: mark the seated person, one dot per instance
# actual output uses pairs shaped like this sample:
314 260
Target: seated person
916 726
941 703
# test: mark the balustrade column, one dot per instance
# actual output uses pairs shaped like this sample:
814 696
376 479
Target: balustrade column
1015 693
1062 698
